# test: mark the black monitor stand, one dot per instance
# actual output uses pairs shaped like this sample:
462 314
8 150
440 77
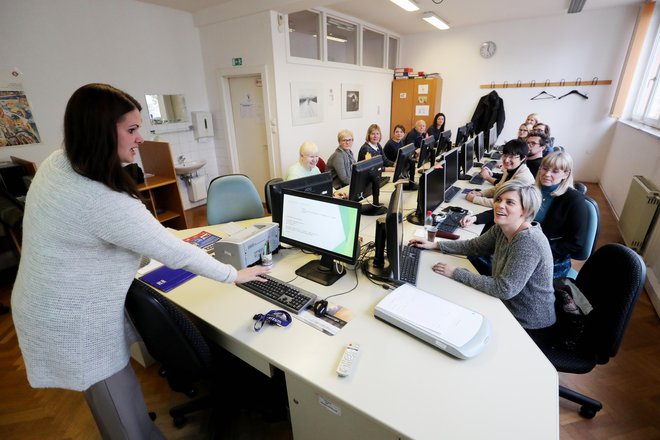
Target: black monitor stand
373 208
410 185
378 267
323 271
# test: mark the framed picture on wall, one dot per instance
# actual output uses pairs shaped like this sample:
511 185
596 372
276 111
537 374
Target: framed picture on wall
306 103
352 101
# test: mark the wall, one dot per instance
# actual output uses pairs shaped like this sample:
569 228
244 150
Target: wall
554 48
140 48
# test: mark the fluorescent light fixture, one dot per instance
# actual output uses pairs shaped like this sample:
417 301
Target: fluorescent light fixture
408 5
337 39
576 6
436 21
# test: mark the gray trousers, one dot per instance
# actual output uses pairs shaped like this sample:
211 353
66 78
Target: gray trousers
119 410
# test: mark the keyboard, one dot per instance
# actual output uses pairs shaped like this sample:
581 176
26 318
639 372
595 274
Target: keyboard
284 295
383 180
495 155
477 179
409 264
451 222
451 193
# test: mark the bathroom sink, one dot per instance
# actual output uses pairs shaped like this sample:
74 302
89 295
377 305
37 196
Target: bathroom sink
189 167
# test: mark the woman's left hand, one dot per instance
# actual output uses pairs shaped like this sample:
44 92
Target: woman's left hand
444 269
471 195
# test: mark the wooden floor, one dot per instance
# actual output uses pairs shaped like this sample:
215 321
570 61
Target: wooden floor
628 386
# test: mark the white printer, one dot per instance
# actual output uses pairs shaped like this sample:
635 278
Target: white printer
245 247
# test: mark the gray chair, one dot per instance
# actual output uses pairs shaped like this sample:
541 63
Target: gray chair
267 191
232 197
580 187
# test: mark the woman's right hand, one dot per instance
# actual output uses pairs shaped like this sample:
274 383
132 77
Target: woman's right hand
251 274
468 220
421 243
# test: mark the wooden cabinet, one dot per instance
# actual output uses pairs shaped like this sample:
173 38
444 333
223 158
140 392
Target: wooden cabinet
161 192
414 99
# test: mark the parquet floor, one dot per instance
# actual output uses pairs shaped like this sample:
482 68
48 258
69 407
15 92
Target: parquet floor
628 386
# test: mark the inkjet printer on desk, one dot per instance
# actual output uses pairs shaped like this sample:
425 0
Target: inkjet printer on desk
245 247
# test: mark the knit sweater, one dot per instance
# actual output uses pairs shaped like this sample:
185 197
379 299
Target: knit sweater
522 272
340 165
521 174
82 244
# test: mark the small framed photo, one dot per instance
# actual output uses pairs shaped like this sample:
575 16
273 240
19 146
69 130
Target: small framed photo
306 103
352 101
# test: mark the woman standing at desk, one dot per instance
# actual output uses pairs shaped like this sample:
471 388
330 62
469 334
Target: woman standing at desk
85 228
522 259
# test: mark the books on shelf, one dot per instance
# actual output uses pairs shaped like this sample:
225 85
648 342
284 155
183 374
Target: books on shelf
204 240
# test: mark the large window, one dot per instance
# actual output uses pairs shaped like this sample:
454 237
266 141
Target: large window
304 31
341 38
393 53
373 48
647 109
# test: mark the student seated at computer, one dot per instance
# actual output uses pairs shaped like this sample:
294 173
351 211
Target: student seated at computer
437 126
563 213
392 147
545 128
341 161
523 131
514 154
521 259
307 160
536 144
371 147
417 134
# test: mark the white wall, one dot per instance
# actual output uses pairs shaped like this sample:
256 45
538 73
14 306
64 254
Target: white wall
140 48
588 44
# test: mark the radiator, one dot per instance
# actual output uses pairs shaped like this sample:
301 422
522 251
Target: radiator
640 213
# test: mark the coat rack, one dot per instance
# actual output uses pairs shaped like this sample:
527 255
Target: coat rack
547 83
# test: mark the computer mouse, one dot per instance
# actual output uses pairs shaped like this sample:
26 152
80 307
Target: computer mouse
320 307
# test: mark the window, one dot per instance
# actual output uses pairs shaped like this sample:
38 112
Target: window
393 52
304 31
373 48
341 38
647 109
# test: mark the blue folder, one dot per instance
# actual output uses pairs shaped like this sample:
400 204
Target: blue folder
166 279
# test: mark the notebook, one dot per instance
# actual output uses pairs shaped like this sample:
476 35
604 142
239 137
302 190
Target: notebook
166 279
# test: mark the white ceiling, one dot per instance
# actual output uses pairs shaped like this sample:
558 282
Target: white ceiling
387 15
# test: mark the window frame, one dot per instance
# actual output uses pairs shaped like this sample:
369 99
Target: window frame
649 94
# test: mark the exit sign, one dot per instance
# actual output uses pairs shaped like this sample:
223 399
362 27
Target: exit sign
237 61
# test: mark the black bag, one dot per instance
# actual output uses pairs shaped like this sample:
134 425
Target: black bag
571 314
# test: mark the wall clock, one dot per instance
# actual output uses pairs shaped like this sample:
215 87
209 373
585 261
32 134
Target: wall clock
487 49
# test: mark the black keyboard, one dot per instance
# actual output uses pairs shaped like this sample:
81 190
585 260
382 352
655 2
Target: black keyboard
409 264
495 155
477 179
490 164
451 193
383 180
284 295
451 222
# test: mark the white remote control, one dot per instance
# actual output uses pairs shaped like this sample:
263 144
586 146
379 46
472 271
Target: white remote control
348 359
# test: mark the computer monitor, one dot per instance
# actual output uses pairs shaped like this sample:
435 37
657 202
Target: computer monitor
492 137
444 141
461 136
466 159
405 167
479 146
430 194
451 168
318 184
365 182
324 225
426 151
469 127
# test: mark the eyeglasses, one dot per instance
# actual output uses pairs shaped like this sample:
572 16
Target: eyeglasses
347 140
532 143
552 170
279 318
510 156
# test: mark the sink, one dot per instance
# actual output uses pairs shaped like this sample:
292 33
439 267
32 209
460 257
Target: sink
189 167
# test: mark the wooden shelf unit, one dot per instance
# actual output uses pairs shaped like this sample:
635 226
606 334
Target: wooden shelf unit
161 192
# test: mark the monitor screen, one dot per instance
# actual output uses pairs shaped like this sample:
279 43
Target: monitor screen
466 158
469 127
451 167
461 136
365 181
444 141
394 232
403 158
479 146
492 137
426 151
324 225
435 188
317 184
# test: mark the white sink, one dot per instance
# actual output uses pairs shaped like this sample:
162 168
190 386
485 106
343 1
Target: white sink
189 167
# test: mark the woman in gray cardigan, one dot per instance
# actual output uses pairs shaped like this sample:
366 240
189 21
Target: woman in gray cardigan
522 259
341 161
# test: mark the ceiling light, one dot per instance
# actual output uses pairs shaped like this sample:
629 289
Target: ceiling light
576 6
337 39
436 21
408 5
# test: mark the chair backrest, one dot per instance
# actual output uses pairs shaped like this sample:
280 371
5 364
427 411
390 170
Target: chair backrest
232 198
611 279
267 190
169 335
593 228
580 187
321 165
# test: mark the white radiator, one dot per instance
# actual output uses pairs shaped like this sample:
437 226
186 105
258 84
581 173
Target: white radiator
639 213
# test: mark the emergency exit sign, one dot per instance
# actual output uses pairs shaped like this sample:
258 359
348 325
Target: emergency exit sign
237 61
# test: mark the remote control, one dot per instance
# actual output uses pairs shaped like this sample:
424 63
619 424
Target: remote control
348 360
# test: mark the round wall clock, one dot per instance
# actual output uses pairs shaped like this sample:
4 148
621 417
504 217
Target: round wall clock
487 49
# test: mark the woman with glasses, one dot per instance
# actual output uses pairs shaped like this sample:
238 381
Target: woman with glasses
306 165
514 153
342 160
523 131
371 147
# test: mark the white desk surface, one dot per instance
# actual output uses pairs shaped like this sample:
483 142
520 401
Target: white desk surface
509 391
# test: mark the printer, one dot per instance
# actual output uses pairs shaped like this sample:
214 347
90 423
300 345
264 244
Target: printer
245 247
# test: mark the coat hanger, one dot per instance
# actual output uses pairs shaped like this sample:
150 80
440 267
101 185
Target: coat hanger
543 95
574 92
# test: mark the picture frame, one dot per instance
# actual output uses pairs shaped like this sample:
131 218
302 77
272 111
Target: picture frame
306 103
352 101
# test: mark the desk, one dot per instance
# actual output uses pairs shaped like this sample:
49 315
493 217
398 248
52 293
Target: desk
401 387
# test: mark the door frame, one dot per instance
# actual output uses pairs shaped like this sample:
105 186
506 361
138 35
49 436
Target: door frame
223 76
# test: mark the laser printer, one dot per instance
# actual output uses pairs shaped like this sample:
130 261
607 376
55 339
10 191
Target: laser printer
245 247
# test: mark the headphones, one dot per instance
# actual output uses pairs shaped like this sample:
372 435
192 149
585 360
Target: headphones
320 307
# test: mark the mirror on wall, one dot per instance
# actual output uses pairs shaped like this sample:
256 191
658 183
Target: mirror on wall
166 109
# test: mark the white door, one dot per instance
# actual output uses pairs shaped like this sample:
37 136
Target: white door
247 107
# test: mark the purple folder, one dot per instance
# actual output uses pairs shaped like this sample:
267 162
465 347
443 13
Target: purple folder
166 279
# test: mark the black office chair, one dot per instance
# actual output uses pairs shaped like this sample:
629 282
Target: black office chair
581 187
611 279
267 190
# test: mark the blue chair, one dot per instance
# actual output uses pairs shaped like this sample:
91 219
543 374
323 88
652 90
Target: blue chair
232 198
593 228
581 187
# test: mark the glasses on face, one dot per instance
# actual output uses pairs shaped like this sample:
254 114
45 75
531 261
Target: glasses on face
548 170
347 140
532 143
510 156
279 318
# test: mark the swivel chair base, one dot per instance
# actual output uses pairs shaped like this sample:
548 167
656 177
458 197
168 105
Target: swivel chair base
589 406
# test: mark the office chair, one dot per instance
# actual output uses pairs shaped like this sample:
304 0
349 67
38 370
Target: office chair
231 198
580 187
611 279
321 165
593 228
267 190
